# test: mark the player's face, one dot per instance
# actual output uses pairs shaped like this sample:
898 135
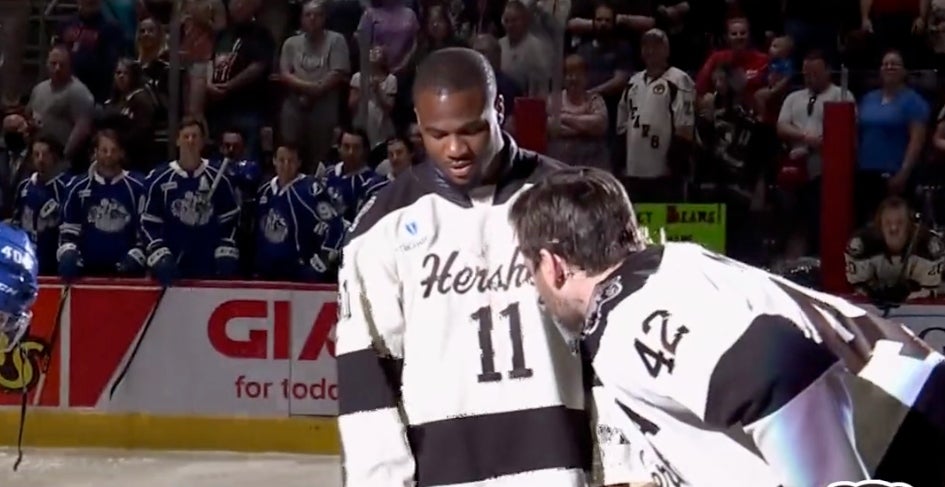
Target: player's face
460 131
43 158
400 158
895 226
108 153
351 150
190 139
287 163
232 145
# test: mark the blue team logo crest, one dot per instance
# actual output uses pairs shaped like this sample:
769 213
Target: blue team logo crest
274 227
109 216
192 210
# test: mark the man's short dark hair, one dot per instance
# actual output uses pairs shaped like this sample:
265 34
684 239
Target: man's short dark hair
191 121
54 146
357 132
816 55
580 213
234 130
403 139
453 70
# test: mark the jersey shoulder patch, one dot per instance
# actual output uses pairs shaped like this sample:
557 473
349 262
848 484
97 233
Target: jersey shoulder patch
400 193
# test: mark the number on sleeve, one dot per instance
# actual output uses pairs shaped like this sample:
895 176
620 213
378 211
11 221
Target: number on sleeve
665 355
487 353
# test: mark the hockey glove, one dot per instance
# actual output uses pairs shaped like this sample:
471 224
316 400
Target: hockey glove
315 270
132 264
227 261
70 262
163 266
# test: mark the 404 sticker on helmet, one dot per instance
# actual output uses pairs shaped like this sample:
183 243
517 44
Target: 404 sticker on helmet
22 366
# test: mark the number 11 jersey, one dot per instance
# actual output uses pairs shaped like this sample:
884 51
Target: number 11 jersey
448 372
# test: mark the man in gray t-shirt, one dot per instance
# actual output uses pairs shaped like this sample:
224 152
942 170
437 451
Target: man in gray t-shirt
313 66
61 106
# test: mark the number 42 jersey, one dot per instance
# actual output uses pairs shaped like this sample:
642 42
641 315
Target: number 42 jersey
448 372
735 377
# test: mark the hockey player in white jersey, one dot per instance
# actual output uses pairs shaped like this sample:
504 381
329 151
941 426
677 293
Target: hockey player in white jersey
734 375
449 374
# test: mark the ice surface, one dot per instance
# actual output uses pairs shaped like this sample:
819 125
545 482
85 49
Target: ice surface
125 468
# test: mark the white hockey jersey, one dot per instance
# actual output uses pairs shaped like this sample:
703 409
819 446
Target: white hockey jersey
449 375
736 377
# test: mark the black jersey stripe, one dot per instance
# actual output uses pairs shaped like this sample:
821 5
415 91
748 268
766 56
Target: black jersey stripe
367 381
770 364
914 455
476 448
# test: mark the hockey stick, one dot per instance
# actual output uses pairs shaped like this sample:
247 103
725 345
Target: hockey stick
137 344
24 399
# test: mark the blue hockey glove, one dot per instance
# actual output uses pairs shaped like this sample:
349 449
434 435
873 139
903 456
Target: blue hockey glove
227 261
163 266
70 262
132 264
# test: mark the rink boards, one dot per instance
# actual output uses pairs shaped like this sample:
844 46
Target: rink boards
241 366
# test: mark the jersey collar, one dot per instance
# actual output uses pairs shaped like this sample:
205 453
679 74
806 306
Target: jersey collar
175 166
274 184
98 178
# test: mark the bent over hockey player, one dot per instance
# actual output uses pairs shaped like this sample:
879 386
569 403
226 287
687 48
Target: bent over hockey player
190 215
101 218
736 377
299 232
37 205
449 373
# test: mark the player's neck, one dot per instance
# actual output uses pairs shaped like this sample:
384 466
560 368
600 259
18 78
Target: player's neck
189 163
656 71
586 286
108 172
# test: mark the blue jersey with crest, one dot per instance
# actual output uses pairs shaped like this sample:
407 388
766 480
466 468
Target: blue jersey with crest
245 175
181 215
37 209
299 231
101 219
351 191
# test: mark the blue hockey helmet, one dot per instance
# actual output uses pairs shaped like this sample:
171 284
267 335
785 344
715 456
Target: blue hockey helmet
19 285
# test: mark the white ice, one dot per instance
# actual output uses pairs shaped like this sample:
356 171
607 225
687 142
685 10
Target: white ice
125 468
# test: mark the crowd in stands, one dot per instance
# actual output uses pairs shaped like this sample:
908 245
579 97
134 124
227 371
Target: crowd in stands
304 111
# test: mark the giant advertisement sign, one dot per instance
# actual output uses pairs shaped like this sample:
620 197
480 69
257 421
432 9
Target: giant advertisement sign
211 349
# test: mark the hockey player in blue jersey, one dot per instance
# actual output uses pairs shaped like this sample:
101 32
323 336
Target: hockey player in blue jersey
351 183
18 285
190 215
101 217
299 231
246 176
38 201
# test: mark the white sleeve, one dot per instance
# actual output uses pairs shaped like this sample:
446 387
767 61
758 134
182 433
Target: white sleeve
809 442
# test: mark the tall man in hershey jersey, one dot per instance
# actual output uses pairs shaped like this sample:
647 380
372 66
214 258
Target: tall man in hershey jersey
655 114
448 372
733 375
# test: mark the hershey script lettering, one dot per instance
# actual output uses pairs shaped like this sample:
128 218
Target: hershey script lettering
447 277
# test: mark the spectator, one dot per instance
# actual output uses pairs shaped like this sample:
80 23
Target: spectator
416 140
508 88
189 223
61 107
239 76
481 17
894 258
525 58
299 231
581 135
391 25
100 222
439 32
15 164
898 25
351 183
400 156
892 126
314 67
96 43
656 116
780 73
740 55
202 21
608 60
152 56
38 201
130 112
382 86
14 32
800 127
631 18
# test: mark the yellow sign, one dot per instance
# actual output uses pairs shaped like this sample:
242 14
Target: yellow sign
703 223
20 366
